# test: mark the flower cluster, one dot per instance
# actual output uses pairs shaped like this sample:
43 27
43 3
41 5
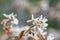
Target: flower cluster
36 31
9 22
38 28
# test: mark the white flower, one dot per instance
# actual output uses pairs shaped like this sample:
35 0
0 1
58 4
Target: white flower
7 16
44 25
44 34
50 37
43 19
39 25
15 31
39 22
15 20
12 17
40 30
31 19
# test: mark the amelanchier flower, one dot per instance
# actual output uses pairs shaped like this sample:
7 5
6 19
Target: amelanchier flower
40 21
12 17
37 31
9 22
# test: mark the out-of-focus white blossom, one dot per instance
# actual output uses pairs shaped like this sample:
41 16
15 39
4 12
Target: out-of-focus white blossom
39 27
39 22
7 16
12 17
9 23
44 34
50 37
15 20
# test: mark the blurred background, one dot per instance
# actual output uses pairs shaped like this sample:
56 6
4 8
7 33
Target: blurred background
24 9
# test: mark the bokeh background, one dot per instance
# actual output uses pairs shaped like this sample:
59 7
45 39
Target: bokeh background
24 9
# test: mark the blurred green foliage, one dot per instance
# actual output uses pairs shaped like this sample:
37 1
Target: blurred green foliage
53 2
53 24
2 2
34 2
